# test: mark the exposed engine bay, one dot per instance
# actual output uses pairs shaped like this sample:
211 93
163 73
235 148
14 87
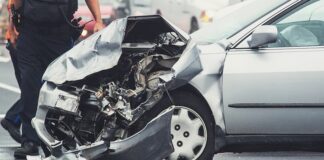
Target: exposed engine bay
97 91
105 104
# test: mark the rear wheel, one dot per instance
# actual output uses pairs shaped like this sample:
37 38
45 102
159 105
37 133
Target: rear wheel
192 126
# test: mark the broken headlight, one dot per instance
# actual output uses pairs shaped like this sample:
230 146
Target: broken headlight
67 102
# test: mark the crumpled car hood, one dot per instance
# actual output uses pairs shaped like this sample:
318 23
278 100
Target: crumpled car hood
102 51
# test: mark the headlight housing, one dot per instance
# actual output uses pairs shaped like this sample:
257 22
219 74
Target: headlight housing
67 102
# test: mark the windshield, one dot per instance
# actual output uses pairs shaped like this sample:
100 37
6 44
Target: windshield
229 21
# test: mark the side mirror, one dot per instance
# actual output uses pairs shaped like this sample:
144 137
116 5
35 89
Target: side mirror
263 35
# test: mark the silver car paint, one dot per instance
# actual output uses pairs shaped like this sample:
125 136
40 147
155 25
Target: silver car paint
102 51
209 81
243 82
288 76
210 85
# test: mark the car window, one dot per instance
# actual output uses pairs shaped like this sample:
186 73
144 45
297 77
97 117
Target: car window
302 27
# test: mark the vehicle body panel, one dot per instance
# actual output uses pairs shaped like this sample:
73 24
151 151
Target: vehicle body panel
277 120
209 81
91 56
249 91
274 91
277 108
101 52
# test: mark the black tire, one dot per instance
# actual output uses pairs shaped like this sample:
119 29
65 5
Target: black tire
194 26
195 103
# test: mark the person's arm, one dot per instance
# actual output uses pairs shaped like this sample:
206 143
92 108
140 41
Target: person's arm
11 27
17 3
13 33
95 10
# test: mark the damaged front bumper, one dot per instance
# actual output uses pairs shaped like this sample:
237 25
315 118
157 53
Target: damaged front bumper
153 142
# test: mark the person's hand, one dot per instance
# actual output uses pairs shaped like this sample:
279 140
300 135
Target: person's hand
13 36
98 26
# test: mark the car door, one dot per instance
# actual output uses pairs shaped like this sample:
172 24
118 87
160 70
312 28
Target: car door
279 88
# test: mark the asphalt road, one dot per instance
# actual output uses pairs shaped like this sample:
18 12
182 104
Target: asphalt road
8 87
9 94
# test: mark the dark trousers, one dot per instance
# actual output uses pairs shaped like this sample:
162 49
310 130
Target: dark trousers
36 50
13 113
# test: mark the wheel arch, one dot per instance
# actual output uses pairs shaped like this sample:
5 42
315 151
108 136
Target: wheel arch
208 89
219 131
192 89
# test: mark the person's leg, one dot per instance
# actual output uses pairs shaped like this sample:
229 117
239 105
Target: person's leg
35 52
13 54
31 74
12 114
12 121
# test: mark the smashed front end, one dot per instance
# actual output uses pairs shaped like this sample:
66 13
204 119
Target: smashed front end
97 91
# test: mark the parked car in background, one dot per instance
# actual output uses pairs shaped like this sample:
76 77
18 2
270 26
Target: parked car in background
190 15
110 10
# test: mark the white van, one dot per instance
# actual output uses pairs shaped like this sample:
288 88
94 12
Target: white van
189 15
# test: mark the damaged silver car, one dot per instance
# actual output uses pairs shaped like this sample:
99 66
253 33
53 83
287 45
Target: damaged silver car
142 89
98 98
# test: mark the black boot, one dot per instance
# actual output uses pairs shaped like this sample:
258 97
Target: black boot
28 148
13 129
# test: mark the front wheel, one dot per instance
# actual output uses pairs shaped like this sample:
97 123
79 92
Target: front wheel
192 126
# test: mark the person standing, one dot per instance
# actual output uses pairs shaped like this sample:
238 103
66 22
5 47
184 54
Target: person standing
44 34
12 122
